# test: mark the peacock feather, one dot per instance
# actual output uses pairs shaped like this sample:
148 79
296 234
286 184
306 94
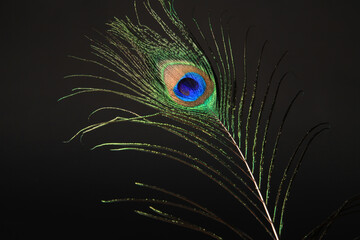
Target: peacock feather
195 92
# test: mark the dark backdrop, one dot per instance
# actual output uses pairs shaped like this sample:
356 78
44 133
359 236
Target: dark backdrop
52 190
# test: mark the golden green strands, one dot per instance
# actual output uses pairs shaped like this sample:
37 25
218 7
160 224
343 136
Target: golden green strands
233 98
244 91
289 164
275 148
253 152
187 205
281 224
260 114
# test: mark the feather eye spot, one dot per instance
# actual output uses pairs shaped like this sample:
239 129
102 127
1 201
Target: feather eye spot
186 84
190 87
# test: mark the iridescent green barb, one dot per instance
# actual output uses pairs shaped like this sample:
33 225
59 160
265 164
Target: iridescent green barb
287 169
260 114
281 225
251 110
244 91
192 206
170 73
177 221
350 206
275 148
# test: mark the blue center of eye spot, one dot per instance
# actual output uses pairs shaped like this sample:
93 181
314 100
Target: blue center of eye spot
190 87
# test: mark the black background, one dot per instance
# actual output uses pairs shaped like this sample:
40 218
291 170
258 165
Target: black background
52 190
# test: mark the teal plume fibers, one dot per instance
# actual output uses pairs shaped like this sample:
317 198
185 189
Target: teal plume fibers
195 85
